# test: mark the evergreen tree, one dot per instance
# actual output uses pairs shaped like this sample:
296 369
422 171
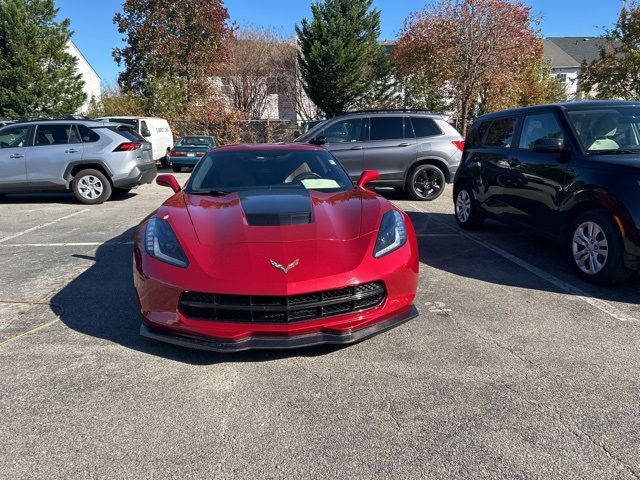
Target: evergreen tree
341 62
37 75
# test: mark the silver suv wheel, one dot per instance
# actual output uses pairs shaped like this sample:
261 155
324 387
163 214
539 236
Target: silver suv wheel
90 187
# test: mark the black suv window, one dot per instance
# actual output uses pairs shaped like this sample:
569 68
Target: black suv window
56 135
500 133
88 135
14 137
535 127
344 131
425 127
386 128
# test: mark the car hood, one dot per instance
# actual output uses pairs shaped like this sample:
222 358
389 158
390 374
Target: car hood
235 239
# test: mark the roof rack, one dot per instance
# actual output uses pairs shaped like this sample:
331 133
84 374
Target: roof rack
392 110
45 119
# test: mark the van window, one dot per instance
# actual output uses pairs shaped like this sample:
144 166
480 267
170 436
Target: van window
144 130
535 127
386 128
500 133
425 127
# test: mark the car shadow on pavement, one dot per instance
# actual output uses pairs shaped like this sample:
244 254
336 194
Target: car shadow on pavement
444 246
101 303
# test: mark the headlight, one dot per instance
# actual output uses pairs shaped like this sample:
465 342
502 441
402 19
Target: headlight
161 243
392 235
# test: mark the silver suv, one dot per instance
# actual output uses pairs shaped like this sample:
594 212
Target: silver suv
414 151
92 159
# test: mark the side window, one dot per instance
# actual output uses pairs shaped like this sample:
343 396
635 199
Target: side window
55 135
144 130
386 128
14 137
500 133
345 131
87 135
535 127
425 127
73 135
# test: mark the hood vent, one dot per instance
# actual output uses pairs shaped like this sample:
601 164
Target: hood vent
265 208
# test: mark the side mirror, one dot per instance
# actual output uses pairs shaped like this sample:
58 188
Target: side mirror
368 176
548 145
321 140
169 181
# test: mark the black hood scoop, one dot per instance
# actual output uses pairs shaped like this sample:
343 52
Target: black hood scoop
276 207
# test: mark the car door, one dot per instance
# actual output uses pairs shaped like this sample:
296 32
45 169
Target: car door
344 140
536 178
490 160
391 147
13 157
54 147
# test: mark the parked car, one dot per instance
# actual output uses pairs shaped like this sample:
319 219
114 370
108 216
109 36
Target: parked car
154 130
92 159
570 171
271 246
413 150
4 122
189 150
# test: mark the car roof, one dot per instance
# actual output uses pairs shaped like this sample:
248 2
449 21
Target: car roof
88 123
390 112
258 147
576 105
125 117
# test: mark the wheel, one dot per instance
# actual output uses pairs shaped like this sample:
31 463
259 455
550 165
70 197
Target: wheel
121 192
426 183
468 214
176 168
91 187
596 248
165 162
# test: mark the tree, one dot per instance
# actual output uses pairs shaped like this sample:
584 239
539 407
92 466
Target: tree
113 102
616 73
466 48
38 77
342 65
169 41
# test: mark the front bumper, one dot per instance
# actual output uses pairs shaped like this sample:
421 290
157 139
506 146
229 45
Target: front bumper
298 341
139 175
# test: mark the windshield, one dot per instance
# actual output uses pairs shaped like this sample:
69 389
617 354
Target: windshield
612 130
231 171
197 141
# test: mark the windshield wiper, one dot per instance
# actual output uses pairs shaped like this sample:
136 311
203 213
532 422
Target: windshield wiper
215 193
614 151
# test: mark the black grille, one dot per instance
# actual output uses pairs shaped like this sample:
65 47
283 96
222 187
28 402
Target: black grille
282 309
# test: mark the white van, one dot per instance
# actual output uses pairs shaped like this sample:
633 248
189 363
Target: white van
155 130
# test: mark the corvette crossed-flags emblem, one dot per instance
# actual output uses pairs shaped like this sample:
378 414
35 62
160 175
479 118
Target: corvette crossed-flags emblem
287 268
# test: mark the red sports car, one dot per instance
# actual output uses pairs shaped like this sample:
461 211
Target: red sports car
272 246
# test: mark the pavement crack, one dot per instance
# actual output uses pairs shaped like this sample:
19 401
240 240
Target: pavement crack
577 432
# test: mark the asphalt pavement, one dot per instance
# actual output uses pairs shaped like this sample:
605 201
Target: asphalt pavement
514 369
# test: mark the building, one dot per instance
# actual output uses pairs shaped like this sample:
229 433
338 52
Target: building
89 76
566 54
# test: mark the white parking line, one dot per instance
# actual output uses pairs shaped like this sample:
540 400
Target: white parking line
561 284
77 244
38 227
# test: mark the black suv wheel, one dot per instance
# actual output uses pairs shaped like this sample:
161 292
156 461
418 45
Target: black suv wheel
468 215
596 249
91 187
426 183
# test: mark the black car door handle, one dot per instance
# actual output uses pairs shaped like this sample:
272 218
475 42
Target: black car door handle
16 155
404 144
357 147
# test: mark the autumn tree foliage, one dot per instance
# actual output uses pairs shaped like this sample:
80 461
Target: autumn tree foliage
471 56
172 48
616 73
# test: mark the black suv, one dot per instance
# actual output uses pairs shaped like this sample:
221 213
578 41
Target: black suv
570 171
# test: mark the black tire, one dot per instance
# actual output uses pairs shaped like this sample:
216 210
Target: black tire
467 212
591 259
81 187
176 168
165 161
426 183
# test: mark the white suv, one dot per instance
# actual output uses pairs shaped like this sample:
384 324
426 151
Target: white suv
92 159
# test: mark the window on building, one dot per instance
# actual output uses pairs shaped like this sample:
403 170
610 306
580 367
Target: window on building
562 77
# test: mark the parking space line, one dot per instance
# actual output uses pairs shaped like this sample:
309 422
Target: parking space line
29 332
44 225
76 244
601 305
